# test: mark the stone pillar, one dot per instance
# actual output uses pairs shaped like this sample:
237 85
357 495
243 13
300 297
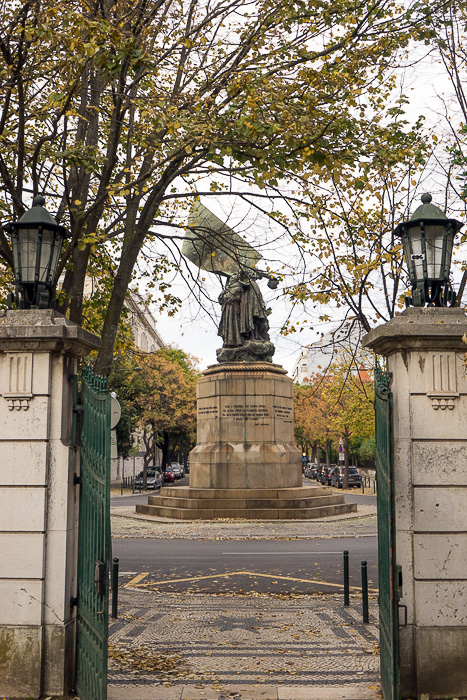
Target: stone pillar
245 429
425 355
39 351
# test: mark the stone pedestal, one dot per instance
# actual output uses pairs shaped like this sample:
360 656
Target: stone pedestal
245 463
38 516
245 434
425 355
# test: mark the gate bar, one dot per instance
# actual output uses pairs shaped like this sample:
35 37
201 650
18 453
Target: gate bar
365 591
115 587
346 578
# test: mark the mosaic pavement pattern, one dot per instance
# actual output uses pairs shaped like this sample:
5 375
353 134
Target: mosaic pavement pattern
220 641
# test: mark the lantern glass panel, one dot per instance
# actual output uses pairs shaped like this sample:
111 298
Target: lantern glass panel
449 244
434 235
27 243
51 246
414 252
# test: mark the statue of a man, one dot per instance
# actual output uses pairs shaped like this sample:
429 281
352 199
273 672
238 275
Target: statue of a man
244 314
213 246
244 321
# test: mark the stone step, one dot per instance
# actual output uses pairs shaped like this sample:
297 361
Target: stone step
242 503
248 514
282 493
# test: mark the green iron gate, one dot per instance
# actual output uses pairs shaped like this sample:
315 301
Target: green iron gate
388 589
94 540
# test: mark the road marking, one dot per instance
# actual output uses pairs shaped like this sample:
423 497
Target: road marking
276 554
135 583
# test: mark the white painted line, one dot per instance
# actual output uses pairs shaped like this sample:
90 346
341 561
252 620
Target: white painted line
276 554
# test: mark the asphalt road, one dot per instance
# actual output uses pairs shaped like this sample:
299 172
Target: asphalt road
277 566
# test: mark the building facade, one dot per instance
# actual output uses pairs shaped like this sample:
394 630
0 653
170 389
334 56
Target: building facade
316 357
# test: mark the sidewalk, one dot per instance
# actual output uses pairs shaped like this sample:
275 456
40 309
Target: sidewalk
213 647
187 646
127 523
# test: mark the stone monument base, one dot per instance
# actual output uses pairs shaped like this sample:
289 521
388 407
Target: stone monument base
245 434
245 463
302 503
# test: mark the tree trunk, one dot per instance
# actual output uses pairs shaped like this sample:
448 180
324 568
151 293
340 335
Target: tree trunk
109 331
346 458
80 263
164 446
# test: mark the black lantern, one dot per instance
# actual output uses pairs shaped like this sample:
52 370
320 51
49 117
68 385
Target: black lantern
36 241
428 240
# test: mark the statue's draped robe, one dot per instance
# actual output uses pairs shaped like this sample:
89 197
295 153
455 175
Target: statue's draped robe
254 323
244 314
229 327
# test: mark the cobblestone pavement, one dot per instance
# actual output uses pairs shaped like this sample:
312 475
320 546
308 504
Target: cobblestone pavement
185 646
220 646
125 524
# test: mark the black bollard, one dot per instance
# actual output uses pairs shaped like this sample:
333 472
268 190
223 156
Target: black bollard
346 578
115 587
365 591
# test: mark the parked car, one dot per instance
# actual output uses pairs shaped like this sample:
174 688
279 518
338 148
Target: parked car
325 477
153 479
169 474
178 470
314 472
337 477
309 469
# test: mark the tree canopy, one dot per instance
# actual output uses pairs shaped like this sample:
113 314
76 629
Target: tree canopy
157 392
335 404
122 111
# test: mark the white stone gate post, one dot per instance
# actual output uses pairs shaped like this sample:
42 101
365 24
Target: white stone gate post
39 351
425 356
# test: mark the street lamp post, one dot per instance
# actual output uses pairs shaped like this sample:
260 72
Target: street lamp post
427 239
36 241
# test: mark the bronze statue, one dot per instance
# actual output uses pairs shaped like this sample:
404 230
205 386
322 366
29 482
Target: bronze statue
244 320
244 314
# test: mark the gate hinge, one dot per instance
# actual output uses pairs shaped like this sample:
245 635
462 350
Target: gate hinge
76 479
398 585
404 608
100 575
73 601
